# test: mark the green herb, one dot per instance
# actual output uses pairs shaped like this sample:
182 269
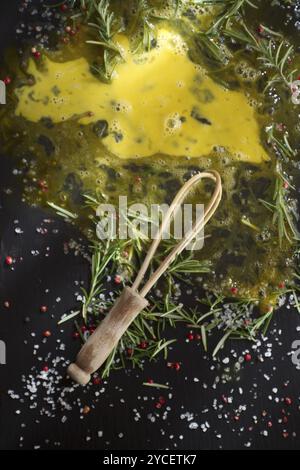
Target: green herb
282 204
248 223
62 212
204 337
144 20
283 215
282 148
105 27
273 57
296 300
189 266
104 24
273 53
100 261
222 342
154 385
66 318
229 10
106 69
212 48
110 363
162 345
79 331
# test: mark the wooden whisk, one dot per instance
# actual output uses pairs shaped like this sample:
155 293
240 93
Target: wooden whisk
132 300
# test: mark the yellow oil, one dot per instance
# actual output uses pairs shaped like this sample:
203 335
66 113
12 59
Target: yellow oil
157 103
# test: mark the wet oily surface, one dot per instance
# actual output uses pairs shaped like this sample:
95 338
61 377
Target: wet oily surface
162 118
159 102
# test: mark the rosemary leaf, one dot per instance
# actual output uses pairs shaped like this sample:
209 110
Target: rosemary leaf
155 385
221 342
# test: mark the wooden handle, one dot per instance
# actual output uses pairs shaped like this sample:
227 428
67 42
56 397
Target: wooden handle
100 344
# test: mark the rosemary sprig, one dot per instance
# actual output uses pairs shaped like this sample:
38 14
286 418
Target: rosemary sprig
162 345
110 363
212 48
182 267
282 148
105 70
229 9
100 261
273 53
272 56
281 208
105 26
144 22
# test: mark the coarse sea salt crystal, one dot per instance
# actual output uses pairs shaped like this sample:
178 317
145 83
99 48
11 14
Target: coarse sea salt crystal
193 425
13 395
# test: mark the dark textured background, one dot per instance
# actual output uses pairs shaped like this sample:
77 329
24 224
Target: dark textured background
113 414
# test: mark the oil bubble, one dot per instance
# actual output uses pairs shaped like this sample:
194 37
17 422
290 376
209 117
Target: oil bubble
172 124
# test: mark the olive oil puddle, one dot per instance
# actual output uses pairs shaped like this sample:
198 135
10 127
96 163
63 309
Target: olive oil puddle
61 159
158 103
